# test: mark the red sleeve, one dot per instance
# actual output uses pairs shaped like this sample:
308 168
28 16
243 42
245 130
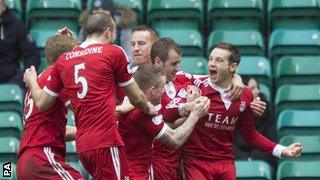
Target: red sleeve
54 84
183 77
249 132
63 97
123 75
120 94
153 126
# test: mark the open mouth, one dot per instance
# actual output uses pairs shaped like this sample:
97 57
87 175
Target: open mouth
213 72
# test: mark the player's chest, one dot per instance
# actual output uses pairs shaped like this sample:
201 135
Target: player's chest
223 115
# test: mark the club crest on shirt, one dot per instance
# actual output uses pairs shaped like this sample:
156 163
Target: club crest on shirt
157 120
242 106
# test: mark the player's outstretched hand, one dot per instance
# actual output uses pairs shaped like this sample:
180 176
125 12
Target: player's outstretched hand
294 150
30 76
201 106
192 93
258 107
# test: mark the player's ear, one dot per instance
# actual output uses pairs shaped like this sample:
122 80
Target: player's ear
108 32
152 90
157 61
233 67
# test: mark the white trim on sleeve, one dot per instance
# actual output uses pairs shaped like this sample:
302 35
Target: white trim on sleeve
163 130
67 103
126 83
277 150
51 93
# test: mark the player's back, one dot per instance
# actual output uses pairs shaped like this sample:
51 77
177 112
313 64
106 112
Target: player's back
89 74
138 131
44 129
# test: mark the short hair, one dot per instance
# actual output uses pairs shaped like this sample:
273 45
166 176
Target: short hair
144 27
148 75
98 21
162 47
235 55
57 45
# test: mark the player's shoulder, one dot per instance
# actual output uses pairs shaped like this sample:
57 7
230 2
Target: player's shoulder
203 82
44 76
246 94
138 114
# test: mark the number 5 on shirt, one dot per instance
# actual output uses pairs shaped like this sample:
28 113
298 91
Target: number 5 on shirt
80 79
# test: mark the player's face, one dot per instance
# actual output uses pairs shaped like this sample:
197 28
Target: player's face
253 86
159 90
172 65
141 42
220 70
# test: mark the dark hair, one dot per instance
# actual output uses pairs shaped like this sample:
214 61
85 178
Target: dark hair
98 22
57 45
144 27
246 79
235 55
161 49
147 76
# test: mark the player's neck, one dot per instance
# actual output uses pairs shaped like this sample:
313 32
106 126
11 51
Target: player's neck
90 41
224 84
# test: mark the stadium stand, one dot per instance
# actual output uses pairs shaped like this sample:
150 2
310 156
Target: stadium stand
257 67
288 14
297 97
190 40
297 70
11 98
11 124
299 170
235 14
186 14
249 42
8 149
298 122
194 65
305 42
255 169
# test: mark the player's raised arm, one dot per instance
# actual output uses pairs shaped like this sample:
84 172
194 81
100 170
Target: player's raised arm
41 99
175 138
138 99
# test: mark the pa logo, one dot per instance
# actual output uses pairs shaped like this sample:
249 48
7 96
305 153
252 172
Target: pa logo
6 169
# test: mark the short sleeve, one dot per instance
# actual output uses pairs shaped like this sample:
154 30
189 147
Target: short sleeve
64 98
183 78
123 75
153 126
54 84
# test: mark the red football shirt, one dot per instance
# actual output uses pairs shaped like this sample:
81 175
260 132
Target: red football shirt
90 76
44 129
213 135
183 77
138 131
161 154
